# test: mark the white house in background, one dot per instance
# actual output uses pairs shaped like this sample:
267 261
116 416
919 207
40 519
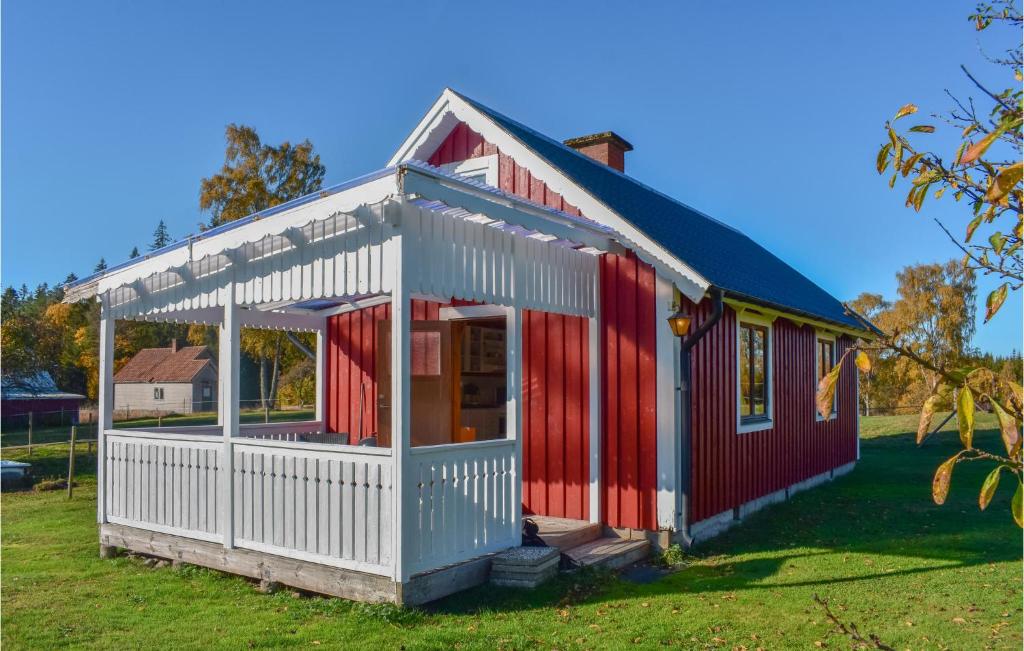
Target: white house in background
179 380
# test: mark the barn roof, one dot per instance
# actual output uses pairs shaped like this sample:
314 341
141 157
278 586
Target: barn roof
165 365
721 254
38 386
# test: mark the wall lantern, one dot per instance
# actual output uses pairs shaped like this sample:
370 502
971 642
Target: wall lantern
680 323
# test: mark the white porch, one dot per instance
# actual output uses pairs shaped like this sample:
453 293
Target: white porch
295 493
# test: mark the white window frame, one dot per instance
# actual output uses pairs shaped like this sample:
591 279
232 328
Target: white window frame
158 393
768 422
486 165
827 336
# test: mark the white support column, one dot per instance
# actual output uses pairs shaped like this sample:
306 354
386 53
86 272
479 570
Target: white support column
230 335
594 362
400 407
105 415
669 467
321 374
514 403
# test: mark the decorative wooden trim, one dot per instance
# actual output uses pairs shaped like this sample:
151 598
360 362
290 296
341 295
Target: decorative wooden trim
450 109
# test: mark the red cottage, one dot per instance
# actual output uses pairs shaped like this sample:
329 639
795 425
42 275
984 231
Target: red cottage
507 325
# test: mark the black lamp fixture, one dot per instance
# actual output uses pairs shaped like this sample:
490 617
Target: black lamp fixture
680 323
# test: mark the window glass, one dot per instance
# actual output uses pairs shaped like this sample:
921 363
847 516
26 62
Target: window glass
753 343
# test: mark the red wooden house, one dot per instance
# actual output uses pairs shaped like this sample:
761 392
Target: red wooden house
500 330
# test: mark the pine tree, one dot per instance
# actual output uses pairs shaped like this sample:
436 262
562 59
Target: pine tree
135 253
101 265
161 237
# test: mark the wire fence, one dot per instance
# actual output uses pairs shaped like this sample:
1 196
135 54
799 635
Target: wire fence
48 427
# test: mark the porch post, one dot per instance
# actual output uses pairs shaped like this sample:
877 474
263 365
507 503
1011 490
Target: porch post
400 404
594 435
105 407
514 405
668 405
230 331
321 374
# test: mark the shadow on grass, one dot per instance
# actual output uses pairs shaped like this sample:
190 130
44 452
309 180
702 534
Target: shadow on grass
882 509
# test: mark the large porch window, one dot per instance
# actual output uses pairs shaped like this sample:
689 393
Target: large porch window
458 380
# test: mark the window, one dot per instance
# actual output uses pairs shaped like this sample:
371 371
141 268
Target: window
483 169
158 393
754 375
207 391
825 360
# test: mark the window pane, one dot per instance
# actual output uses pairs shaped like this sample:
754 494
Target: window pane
759 365
744 346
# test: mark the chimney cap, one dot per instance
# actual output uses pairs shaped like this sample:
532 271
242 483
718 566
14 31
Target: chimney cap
598 138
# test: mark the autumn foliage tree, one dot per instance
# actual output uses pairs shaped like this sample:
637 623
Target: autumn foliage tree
984 174
256 176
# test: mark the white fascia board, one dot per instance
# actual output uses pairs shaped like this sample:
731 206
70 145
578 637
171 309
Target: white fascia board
437 121
345 201
248 318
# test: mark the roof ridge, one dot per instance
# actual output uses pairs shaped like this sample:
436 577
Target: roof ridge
594 163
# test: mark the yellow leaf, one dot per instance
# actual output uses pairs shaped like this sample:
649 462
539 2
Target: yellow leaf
925 422
883 157
940 484
965 416
1016 506
862 361
906 109
827 391
1007 179
1007 428
995 301
988 489
977 149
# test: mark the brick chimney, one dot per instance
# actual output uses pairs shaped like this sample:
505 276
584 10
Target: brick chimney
608 147
174 345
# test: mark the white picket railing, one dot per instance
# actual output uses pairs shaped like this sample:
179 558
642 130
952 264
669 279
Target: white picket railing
166 482
462 503
315 503
323 503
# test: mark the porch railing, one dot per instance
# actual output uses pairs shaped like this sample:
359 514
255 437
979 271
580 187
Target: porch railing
323 503
462 503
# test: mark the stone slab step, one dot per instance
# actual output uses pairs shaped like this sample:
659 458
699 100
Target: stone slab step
611 553
566 534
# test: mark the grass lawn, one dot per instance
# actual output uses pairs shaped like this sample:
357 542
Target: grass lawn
919 575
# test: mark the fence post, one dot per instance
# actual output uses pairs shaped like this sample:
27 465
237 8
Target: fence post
30 433
266 412
159 419
71 461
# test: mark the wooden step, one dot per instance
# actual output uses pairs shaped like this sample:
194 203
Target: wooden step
612 553
564 533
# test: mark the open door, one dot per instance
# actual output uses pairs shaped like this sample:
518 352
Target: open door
431 384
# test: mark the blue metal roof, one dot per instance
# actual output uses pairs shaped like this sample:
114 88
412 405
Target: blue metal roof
724 256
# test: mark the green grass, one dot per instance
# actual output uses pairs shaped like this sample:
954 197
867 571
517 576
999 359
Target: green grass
52 433
919 575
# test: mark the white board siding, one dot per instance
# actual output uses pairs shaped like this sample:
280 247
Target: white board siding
333 508
179 397
458 254
461 503
164 485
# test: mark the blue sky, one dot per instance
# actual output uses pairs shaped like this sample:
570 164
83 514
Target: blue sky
767 116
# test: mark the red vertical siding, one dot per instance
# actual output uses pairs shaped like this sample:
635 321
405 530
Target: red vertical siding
555 470
463 143
556 393
352 361
556 415
729 468
629 397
